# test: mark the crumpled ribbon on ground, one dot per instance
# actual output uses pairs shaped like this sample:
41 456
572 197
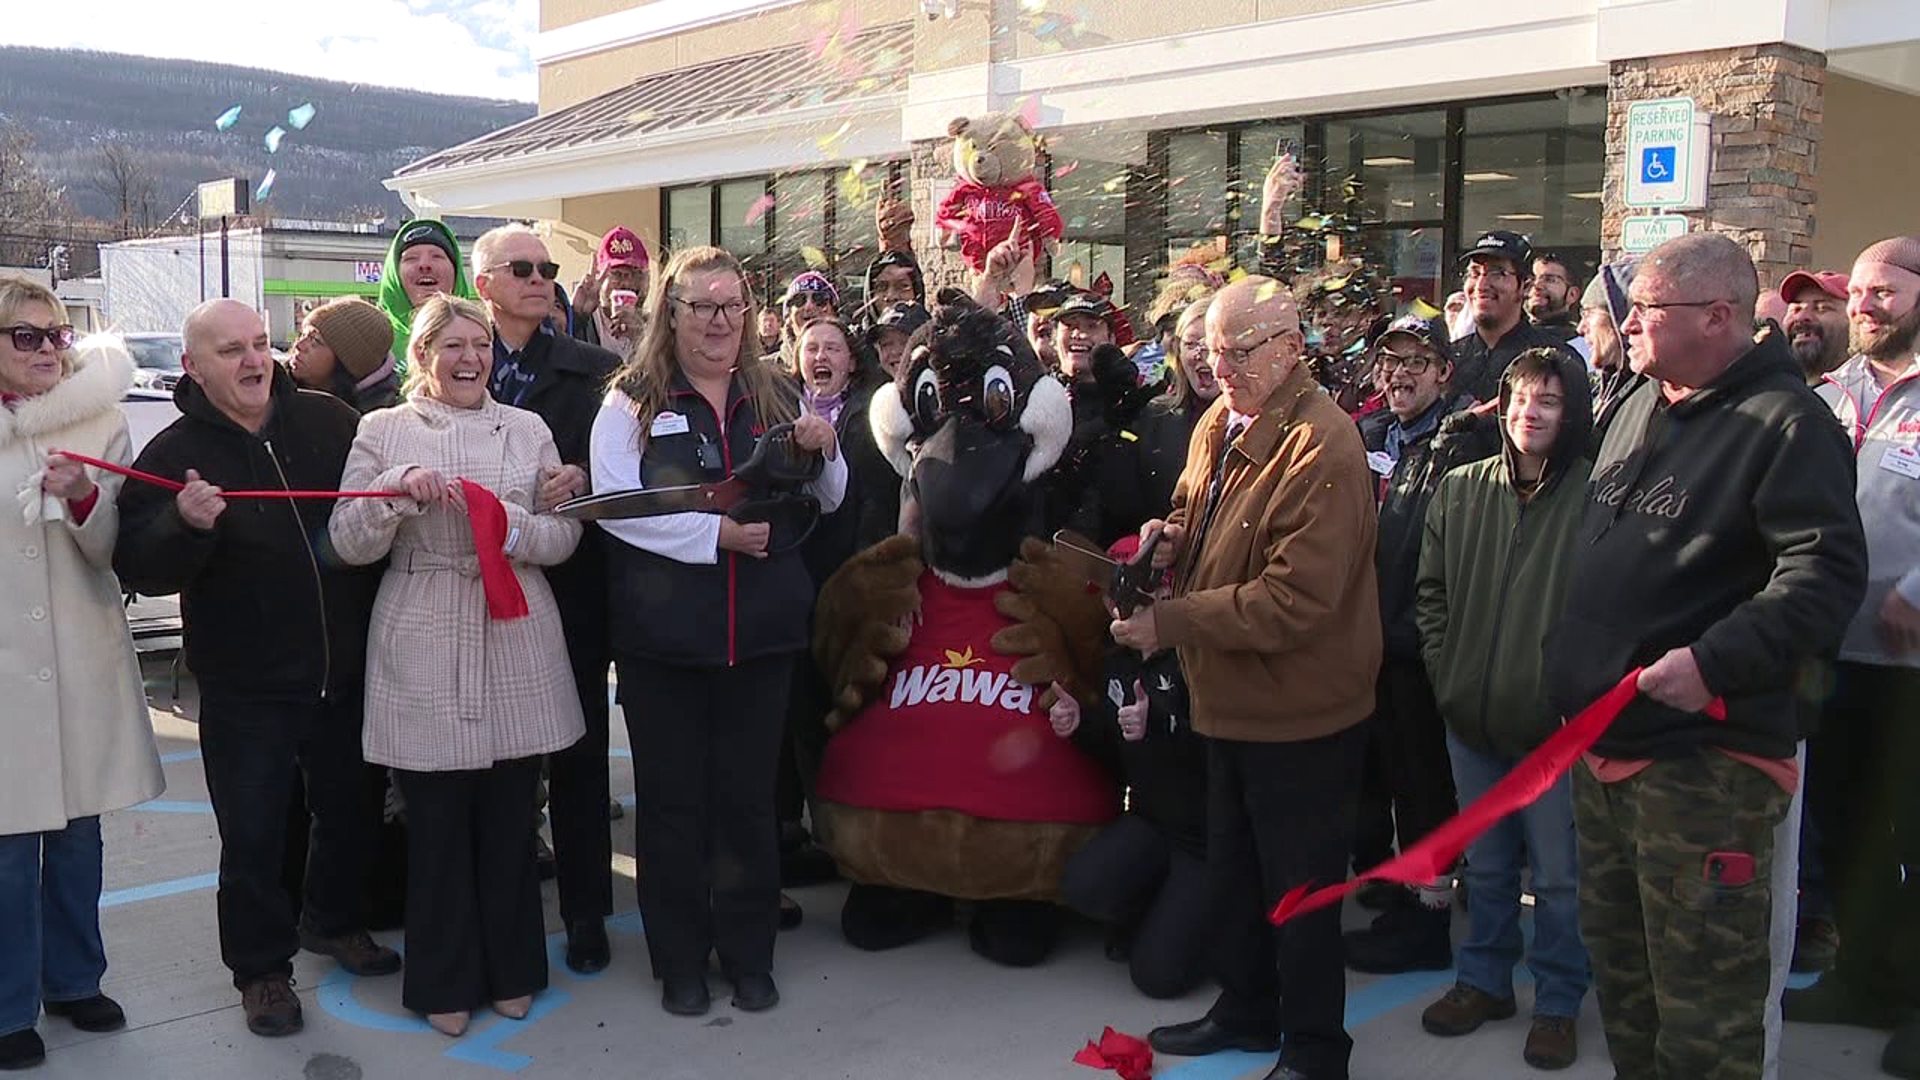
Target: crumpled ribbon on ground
1440 850
486 516
1130 1057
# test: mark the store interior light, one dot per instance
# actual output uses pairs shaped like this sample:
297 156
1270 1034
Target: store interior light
1486 177
1590 196
1386 162
1521 217
1404 204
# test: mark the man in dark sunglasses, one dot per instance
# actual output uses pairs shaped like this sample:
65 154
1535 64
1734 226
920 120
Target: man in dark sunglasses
810 296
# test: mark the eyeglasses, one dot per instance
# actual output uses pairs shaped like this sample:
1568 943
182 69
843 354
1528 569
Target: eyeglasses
1478 272
28 338
816 297
524 268
1411 363
707 310
1639 308
1236 357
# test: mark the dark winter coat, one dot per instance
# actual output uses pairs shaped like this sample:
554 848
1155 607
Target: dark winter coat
1403 496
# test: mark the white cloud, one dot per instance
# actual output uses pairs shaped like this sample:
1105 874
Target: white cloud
476 47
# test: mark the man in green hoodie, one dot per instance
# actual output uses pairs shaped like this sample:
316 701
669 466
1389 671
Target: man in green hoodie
1493 569
424 259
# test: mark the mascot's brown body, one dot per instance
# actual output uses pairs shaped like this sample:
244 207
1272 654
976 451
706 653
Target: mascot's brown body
942 779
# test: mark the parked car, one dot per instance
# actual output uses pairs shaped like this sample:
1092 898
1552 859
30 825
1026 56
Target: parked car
156 358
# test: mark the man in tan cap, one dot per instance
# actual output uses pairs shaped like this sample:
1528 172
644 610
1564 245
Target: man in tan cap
345 348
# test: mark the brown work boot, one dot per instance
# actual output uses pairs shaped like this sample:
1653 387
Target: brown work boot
1551 1043
1463 1009
272 1009
356 951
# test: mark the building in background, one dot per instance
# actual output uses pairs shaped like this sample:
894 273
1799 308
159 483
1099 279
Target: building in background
769 126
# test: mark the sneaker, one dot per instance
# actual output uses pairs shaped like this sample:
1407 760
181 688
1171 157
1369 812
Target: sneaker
21 1050
355 950
271 1007
1831 1001
96 1013
1462 1009
1410 938
1815 944
1551 1043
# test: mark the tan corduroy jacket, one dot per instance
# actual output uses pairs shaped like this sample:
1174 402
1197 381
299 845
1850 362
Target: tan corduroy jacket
1275 613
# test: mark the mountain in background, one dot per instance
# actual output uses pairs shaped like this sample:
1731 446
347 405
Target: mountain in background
76 103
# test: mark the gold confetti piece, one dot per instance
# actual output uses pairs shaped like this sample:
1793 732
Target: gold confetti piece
814 256
640 117
1129 436
1266 291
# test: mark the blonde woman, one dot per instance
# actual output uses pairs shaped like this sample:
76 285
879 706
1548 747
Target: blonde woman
459 704
709 615
78 744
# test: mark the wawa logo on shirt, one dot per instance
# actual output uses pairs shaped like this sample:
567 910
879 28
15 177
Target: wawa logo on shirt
957 680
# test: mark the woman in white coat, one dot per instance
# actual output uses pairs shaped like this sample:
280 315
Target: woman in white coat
460 705
78 741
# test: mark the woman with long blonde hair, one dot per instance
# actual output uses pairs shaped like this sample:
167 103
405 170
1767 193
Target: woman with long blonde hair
710 614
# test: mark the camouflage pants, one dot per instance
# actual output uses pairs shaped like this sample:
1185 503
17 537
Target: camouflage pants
1680 961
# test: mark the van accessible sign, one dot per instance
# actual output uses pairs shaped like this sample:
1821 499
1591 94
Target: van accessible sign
1639 235
1668 141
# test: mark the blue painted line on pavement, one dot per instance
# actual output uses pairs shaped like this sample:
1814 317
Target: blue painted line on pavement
172 806
183 755
158 889
482 1046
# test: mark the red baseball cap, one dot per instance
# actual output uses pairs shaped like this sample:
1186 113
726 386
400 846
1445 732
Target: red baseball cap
621 247
1827 281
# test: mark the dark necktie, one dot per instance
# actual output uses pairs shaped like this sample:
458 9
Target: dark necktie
1219 481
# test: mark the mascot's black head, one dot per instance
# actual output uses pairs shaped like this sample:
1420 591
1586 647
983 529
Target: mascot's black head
972 422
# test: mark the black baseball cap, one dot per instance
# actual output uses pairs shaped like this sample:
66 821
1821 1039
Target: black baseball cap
1501 244
1047 296
903 317
1085 303
1424 331
422 232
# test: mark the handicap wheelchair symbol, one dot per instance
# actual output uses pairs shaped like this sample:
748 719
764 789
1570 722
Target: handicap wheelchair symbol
1657 164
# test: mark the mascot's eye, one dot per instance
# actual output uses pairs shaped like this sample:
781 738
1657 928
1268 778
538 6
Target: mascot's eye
996 394
926 400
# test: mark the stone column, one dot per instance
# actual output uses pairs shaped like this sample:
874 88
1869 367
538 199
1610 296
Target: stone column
1767 103
931 178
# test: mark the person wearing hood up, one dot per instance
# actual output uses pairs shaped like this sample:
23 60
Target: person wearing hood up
1493 569
423 259
345 348
892 278
1603 308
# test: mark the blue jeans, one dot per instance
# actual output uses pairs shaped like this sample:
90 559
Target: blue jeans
49 920
1539 838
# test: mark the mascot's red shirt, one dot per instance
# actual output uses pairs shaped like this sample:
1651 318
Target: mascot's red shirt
982 217
951 730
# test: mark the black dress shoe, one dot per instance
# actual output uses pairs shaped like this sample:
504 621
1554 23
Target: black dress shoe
791 914
685 995
755 993
97 1013
22 1050
1198 1038
1287 1072
587 948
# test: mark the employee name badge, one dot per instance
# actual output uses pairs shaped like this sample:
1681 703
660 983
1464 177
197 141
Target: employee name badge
1904 460
1380 463
668 423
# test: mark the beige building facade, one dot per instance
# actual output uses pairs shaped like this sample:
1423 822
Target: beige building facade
772 126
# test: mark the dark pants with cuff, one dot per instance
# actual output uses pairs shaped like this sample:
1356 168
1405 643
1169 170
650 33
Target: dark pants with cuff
475 932
1135 872
706 741
1281 815
252 749
1410 738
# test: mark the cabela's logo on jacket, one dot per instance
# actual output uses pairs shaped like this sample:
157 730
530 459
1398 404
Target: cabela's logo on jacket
1661 498
959 679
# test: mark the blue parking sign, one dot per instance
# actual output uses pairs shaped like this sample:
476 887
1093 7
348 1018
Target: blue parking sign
1657 165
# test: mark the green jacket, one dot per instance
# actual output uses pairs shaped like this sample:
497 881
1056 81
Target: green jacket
1492 575
393 296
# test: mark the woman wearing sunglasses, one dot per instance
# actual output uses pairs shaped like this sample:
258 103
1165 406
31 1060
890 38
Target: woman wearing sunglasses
709 616
78 742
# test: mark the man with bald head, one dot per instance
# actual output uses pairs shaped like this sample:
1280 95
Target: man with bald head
1276 618
1720 557
276 637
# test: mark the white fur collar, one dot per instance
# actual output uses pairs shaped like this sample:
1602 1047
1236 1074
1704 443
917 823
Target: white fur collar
102 372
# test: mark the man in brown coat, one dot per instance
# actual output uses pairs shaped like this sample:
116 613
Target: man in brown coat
1276 620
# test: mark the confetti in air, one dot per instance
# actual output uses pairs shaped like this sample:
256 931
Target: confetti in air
298 118
759 209
826 142
273 139
266 186
227 119
814 256
1064 171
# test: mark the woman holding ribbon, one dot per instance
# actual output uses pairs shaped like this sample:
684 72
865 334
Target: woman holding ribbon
78 743
467 674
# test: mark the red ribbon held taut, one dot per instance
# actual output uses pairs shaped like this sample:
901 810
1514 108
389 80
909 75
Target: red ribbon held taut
1440 849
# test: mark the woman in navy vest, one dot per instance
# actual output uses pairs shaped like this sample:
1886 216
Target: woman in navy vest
708 617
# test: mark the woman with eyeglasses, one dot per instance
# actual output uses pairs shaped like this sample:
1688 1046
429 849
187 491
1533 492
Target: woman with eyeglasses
709 616
78 740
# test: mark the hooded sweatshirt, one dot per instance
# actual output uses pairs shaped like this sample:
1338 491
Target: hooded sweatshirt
1493 569
869 310
1724 523
393 295
1885 429
1608 291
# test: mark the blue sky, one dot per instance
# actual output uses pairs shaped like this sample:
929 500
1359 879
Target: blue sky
476 47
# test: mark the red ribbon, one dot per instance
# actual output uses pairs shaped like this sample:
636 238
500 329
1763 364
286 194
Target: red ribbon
1438 852
1124 1054
486 516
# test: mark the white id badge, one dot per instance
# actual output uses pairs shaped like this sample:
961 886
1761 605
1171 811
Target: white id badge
1904 460
669 423
1380 463
1116 693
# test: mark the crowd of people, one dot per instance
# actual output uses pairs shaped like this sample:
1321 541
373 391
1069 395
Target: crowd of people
1398 547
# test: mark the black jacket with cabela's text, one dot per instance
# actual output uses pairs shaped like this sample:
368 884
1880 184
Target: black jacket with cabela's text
1724 523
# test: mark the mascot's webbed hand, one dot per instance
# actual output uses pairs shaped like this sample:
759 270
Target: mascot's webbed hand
1060 625
859 622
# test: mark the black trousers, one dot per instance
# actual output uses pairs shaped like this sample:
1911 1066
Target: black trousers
1281 815
577 791
1861 793
474 928
252 750
1410 739
705 745
1135 872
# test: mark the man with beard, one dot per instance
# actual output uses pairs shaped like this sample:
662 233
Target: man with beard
1551 297
1498 269
1860 789
1816 321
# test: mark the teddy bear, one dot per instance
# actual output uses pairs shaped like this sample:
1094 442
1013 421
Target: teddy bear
996 192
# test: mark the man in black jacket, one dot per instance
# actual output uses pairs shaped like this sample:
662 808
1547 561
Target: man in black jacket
276 635
1498 270
563 380
1720 552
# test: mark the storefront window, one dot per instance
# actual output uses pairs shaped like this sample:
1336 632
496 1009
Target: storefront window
1385 168
1260 146
689 217
797 216
1196 188
1092 199
1535 167
737 204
